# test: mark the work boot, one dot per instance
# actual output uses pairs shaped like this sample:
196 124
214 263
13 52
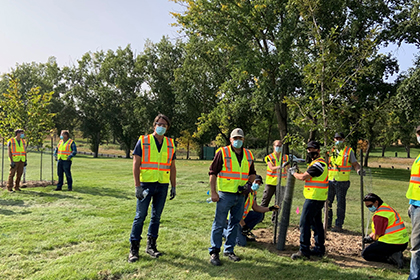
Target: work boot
397 259
215 260
337 229
151 247
300 255
232 256
134 251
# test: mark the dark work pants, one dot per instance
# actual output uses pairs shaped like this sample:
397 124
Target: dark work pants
339 190
64 166
312 218
380 251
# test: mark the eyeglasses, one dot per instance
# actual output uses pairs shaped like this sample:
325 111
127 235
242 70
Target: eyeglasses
369 205
161 124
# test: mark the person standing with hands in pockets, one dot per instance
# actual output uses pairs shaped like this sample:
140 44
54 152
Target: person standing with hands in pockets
153 169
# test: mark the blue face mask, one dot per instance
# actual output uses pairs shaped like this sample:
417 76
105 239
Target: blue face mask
255 186
338 143
22 135
237 144
160 130
372 208
277 149
61 137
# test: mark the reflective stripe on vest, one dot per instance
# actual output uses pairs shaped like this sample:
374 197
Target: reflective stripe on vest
395 233
156 166
339 166
316 188
271 175
249 203
64 149
413 191
18 149
232 174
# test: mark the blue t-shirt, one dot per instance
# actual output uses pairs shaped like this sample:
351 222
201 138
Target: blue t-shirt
138 152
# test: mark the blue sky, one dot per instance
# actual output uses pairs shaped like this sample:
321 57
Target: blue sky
35 30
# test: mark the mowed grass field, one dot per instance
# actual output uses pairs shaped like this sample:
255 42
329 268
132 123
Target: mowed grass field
84 234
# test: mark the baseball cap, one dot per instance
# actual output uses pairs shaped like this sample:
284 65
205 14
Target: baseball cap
259 178
313 144
339 135
237 132
418 129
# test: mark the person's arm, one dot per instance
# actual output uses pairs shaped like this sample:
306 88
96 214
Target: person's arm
380 223
354 162
259 209
302 176
356 166
10 152
213 188
172 177
136 170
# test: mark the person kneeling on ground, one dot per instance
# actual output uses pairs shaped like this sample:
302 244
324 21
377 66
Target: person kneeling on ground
389 235
251 218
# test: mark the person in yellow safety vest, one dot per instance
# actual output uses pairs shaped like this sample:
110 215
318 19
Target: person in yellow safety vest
231 169
153 169
413 194
273 161
64 153
315 191
341 160
389 235
17 155
253 214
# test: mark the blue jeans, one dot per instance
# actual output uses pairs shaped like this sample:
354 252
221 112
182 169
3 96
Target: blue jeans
228 202
338 189
312 218
415 243
63 166
251 220
158 193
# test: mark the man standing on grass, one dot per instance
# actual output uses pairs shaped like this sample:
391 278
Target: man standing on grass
231 169
17 155
315 191
153 169
341 160
64 153
413 194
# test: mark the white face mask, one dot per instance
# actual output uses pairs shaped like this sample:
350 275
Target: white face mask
418 138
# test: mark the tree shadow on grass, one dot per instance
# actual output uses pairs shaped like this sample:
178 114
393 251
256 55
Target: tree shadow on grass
392 174
100 191
7 212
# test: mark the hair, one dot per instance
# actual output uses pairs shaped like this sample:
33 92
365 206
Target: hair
19 130
276 141
372 198
162 116
66 132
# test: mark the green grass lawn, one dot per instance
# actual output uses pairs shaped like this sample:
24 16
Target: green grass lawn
84 234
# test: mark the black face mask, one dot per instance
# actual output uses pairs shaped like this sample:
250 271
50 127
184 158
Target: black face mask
310 156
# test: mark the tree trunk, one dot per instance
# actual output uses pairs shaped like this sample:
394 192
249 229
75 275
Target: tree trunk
383 150
407 148
188 149
365 164
281 114
127 153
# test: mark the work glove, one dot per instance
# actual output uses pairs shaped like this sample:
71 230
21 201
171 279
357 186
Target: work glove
293 170
141 193
245 230
173 193
409 211
368 239
12 164
274 208
361 172
68 158
286 163
26 163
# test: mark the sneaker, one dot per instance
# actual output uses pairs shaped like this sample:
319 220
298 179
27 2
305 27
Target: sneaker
250 237
316 253
337 229
11 191
397 259
57 189
214 259
18 190
232 256
300 255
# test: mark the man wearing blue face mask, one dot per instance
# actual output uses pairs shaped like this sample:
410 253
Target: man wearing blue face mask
341 160
389 235
64 154
17 155
231 169
153 169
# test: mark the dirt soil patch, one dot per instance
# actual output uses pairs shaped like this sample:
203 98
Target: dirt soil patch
33 184
342 248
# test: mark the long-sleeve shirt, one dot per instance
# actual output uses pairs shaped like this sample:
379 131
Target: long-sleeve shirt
73 151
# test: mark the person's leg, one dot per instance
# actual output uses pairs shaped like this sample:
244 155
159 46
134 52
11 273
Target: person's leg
226 200
305 226
415 243
12 172
268 193
318 228
60 174
159 195
67 171
141 213
236 212
380 251
341 191
331 196
253 218
19 171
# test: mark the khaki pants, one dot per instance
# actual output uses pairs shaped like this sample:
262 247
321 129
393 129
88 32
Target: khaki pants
17 169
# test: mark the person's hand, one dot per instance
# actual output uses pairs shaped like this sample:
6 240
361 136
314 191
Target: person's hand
68 158
12 164
293 170
139 193
286 163
274 208
409 211
361 172
26 163
245 230
173 193
214 197
368 239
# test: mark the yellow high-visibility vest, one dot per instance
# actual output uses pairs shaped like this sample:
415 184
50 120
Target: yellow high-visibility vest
272 175
316 188
156 166
232 175
249 203
339 166
413 191
395 232
18 149
64 149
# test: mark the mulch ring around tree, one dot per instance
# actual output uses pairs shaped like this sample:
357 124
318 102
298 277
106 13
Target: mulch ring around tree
32 184
343 249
